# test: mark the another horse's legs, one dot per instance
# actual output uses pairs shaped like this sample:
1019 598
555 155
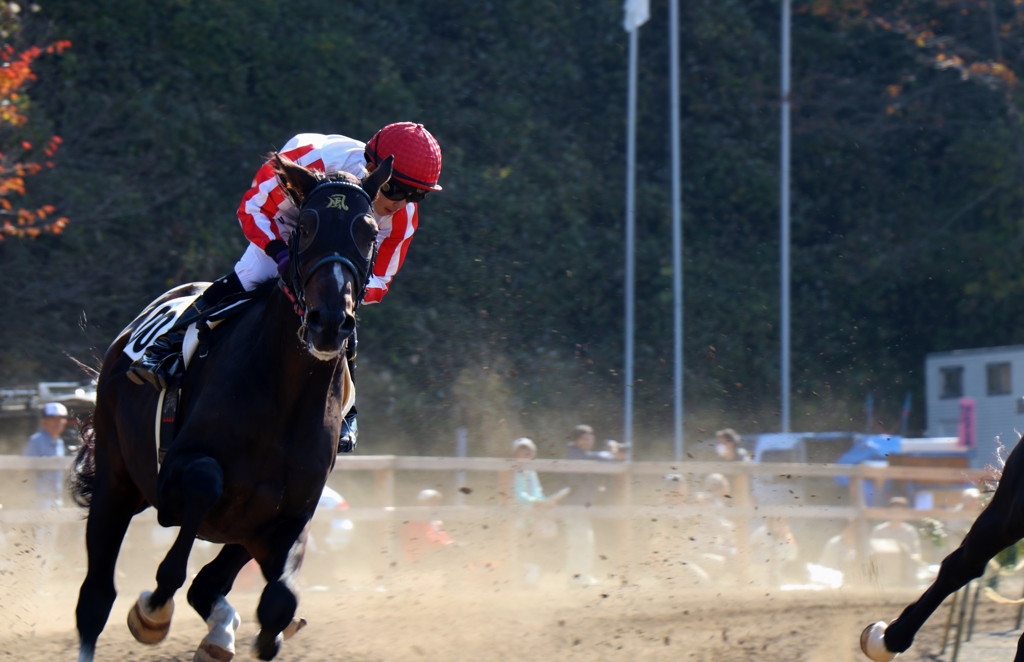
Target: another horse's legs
111 510
279 554
207 595
202 483
998 527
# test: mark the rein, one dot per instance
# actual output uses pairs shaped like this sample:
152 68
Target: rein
296 292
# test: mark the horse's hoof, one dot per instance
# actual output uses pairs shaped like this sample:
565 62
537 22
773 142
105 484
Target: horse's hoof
150 626
266 649
872 642
293 628
210 652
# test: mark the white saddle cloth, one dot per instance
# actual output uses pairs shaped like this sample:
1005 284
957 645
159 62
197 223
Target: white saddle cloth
157 320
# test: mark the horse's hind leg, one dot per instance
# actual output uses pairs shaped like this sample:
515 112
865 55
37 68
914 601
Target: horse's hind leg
207 595
998 527
279 553
114 501
202 483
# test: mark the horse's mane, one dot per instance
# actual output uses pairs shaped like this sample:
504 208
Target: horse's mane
339 176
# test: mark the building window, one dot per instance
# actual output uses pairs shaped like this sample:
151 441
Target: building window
952 378
998 378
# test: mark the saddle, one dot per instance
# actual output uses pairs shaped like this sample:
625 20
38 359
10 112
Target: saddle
167 315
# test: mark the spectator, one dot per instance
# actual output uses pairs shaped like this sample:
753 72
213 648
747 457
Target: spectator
527 485
47 442
727 446
969 508
421 538
713 539
907 539
899 530
585 490
775 550
674 491
535 527
717 486
840 553
672 539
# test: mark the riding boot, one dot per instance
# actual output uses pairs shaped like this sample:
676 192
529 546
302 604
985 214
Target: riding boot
349 433
349 427
162 360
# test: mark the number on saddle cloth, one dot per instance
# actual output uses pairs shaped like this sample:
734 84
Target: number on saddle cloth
163 315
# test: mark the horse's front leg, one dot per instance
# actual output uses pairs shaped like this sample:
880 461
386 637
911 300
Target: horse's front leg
202 483
115 500
279 553
999 526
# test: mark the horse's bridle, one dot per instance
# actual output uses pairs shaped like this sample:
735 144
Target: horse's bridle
296 292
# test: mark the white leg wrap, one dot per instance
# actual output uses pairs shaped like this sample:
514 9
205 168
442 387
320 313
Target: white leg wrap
223 623
872 642
219 644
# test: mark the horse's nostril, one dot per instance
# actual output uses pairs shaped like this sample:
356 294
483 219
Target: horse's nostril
314 320
347 326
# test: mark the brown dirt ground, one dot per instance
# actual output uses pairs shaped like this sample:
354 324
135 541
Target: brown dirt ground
476 613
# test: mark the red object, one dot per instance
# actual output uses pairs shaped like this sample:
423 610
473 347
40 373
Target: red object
419 538
417 154
967 432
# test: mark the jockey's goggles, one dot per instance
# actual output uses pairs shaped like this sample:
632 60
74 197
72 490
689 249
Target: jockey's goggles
397 191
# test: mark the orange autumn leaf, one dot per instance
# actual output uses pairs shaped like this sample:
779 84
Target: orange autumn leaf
15 165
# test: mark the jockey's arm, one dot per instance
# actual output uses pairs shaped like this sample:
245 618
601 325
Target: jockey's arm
265 201
259 206
391 252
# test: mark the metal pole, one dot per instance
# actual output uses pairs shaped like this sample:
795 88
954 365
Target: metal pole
677 224
461 450
634 40
966 594
784 212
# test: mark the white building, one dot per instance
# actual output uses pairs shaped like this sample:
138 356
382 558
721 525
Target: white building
994 378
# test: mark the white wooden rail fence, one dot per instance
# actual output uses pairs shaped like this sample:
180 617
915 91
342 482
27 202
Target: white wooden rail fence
384 468
622 508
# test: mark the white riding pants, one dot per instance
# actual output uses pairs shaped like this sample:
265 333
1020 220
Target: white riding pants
255 267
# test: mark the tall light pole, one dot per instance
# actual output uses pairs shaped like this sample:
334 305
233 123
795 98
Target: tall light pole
784 213
677 224
637 13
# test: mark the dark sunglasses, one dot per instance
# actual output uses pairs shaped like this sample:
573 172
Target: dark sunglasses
398 191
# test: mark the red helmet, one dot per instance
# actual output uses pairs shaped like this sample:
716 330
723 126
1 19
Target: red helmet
417 154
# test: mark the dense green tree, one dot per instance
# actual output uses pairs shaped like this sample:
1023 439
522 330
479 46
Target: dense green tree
507 317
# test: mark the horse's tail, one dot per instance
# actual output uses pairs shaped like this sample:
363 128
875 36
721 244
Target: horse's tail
83 474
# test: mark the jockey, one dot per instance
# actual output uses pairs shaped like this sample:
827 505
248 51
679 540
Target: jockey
417 167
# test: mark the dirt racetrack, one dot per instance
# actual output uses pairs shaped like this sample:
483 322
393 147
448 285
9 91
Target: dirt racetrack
445 618
454 610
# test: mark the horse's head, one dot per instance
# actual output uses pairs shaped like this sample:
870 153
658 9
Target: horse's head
332 247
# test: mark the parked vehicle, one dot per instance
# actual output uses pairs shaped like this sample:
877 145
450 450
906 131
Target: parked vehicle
800 448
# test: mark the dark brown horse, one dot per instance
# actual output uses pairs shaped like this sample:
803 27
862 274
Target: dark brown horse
259 416
999 525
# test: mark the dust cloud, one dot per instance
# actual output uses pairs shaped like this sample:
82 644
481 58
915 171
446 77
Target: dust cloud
366 600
